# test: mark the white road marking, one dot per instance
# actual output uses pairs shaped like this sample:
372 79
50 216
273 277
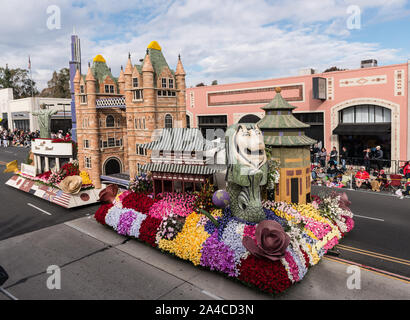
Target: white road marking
211 295
8 294
39 209
356 215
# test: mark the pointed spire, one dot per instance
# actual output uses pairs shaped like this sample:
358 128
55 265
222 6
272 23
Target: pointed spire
147 64
180 68
278 102
135 72
121 78
90 76
77 76
128 67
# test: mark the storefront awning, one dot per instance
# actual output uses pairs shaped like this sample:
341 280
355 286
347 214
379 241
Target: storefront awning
349 129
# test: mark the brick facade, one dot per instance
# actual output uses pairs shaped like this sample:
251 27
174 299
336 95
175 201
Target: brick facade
113 132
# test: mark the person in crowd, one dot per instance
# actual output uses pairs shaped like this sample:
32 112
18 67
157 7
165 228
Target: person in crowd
315 151
332 171
322 157
407 188
343 158
379 157
321 174
333 157
367 155
406 170
362 176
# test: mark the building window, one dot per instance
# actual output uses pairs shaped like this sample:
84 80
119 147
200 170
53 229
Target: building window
143 123
135 82
83 99
109 88
171 83
85 123
101 144
166 93
118 142
137 95
111 142
188 121
140 150
168 121
164 82
118 122
136 123
365 114
87 162
109 121
82 89
86 144
105 144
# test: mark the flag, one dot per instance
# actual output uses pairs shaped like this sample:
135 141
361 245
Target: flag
29 63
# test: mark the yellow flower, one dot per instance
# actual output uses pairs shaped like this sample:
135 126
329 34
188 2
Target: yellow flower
85 177
188 243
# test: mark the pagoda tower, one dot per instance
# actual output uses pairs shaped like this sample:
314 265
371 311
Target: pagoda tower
285 136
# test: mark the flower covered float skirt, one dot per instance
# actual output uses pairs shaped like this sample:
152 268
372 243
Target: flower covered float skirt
270 255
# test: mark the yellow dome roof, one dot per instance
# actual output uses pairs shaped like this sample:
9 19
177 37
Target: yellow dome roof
99 58
154 45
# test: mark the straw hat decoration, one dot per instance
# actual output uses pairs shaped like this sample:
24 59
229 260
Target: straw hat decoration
71 184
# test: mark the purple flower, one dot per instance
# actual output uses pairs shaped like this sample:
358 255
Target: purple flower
218 256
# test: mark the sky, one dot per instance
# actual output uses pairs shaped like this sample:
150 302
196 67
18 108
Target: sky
223 40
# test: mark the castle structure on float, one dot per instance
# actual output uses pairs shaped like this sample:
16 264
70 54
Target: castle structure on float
115 116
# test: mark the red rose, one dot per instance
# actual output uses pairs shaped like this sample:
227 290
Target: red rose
267 275
148 230
102 212
138 201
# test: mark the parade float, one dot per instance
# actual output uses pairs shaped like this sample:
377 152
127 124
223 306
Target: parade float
52 173
239 232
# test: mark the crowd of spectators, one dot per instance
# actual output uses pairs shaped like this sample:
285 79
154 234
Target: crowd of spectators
18 138
334 170
23 138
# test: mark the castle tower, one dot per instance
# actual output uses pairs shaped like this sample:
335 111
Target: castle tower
284 134
90 131
155 99
181 87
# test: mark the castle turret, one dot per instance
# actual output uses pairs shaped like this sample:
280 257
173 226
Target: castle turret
181 87
121 82
90 158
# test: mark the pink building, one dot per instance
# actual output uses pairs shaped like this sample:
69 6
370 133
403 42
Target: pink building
354 108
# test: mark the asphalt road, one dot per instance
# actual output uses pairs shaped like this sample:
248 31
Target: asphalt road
20 212
381 236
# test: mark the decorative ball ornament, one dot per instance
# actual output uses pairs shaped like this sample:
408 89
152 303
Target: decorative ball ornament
221 199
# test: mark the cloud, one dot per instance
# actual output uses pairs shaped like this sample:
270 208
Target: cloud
225 40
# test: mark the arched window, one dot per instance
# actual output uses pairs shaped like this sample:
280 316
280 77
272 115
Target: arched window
365 113
168 121
109 121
